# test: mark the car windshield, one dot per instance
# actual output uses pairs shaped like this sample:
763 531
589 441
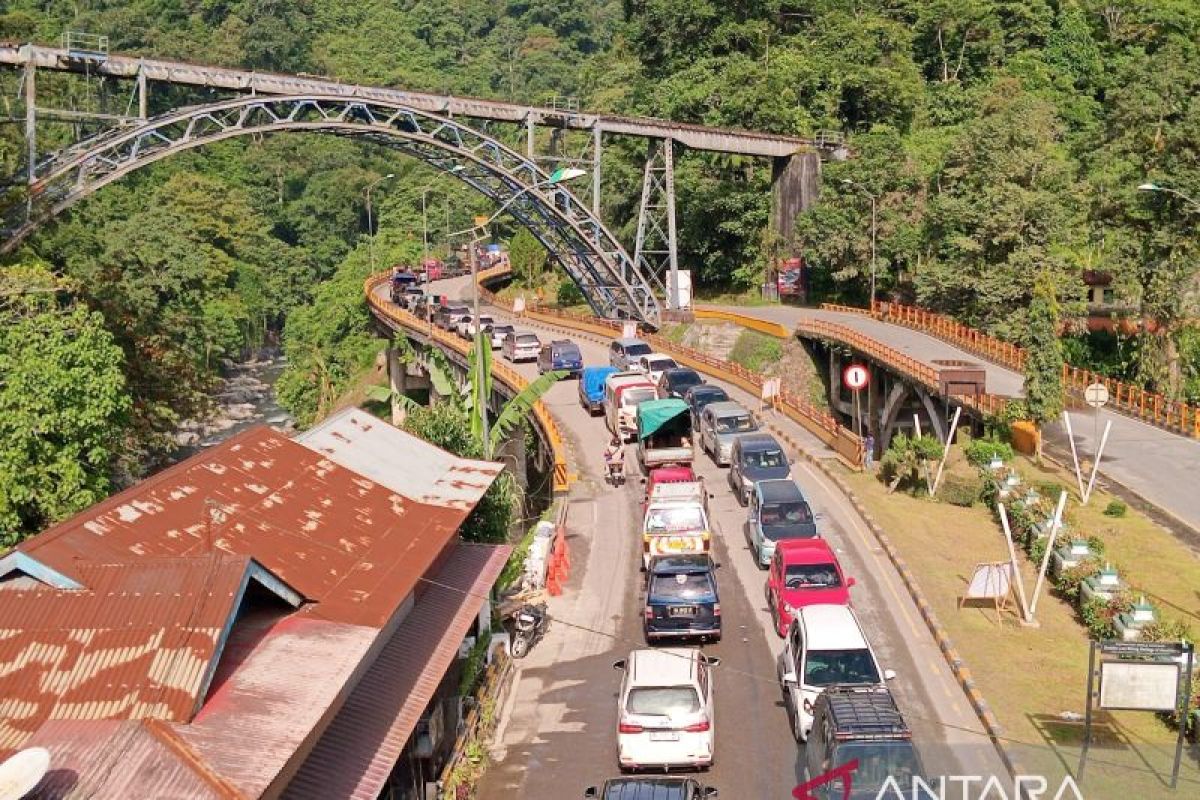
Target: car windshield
715 395
683 518
631 397
829 667
877 761
634 350
736 423
785 520
527 338
693 587
764 459
664 701
569 351
811 576
486 320
659 364
680 381
502 329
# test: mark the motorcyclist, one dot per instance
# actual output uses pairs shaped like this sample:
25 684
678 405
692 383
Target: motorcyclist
614 457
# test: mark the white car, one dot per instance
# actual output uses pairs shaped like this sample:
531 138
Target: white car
665 709
468 328
653 364
498 334
825 646
521 346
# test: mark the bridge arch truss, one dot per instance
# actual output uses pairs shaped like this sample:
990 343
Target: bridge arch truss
611 281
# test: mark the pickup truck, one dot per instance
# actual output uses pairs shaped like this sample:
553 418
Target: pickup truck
664 431
591 387
675 527
665 475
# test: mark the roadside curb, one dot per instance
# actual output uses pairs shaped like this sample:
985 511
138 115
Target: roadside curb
962 673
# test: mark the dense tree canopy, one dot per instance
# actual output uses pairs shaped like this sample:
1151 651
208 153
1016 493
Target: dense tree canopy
1000 139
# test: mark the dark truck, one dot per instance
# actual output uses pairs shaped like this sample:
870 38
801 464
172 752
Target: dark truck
664 429
402 281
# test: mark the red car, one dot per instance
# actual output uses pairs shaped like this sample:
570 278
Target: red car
804 572
666 475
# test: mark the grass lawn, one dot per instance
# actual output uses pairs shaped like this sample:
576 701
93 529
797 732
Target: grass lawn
1029 676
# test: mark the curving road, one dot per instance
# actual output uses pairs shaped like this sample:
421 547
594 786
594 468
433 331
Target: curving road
557 732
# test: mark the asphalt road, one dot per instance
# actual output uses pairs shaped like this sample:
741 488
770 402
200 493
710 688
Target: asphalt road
557 732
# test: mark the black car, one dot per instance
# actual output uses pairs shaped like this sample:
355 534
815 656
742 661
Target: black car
681 599
698 397
756 457
676 381
657 788
861 724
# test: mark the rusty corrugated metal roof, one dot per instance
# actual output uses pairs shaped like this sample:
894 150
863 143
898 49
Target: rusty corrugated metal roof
138 642
404 463
354 548
350 544
355 754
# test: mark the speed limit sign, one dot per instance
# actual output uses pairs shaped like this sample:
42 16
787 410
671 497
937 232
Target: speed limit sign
856 376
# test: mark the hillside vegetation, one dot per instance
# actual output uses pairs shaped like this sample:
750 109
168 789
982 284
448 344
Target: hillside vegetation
1004 139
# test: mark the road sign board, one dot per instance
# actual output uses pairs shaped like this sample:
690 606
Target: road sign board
1096 395
856 376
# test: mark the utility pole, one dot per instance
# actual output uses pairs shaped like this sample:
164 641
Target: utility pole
370 224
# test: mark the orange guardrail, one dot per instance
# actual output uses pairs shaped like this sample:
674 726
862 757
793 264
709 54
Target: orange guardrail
988 404
823 425
505 374
1129 398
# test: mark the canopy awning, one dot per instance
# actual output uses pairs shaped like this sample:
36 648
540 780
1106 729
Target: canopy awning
654 415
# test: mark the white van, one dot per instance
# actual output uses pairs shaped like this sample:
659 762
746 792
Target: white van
665 709
825 647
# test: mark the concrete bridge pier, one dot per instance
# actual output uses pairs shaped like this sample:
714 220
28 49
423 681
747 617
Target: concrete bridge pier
887 406
795 186
405 377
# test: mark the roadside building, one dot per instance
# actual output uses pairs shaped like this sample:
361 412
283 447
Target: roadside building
273 617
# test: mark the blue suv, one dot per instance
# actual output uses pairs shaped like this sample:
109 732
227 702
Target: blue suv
681 599
562 354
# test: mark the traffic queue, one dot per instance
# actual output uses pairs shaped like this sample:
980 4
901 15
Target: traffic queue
834 688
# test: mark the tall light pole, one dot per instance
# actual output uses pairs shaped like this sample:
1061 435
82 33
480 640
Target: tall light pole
1193 206
425 190
479 234
874 228
370 225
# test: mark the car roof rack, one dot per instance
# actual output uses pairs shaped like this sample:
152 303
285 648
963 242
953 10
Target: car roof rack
865 712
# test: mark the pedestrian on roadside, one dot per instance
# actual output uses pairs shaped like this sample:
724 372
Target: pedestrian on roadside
869 444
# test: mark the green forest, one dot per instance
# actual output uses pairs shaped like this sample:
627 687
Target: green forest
1004 142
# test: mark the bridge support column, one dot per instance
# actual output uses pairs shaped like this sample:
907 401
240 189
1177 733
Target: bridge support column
30 86
143 99
596 170
529 137
655 247
398 383
795 186
936 421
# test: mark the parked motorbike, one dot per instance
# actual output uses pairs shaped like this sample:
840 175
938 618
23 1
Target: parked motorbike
529 624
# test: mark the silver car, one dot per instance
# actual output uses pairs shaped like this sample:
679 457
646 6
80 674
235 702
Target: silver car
720 424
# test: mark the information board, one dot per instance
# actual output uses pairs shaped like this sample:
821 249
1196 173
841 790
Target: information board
1139 686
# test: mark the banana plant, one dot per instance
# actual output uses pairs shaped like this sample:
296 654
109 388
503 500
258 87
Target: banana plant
471 395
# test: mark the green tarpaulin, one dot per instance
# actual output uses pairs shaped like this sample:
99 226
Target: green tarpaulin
654 415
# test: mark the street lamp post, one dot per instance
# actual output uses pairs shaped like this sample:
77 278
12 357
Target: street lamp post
1193 205
370 224
425 190
558 176
874 228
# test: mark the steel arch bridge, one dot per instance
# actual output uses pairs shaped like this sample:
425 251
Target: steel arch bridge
610 280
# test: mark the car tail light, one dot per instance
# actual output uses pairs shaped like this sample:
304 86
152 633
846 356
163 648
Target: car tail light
808 709
716 609
699 727
629 727
649 612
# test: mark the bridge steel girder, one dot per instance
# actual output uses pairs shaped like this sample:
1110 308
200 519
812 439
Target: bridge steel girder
655 249
610 280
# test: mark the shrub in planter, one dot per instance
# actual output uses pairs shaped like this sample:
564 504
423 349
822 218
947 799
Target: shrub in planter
958 491
1167 630
981 451
1050 490
1072 579
1115 508
1095 545
1098 616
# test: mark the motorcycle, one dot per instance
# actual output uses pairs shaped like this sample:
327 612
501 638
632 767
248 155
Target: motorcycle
529 624
615 470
